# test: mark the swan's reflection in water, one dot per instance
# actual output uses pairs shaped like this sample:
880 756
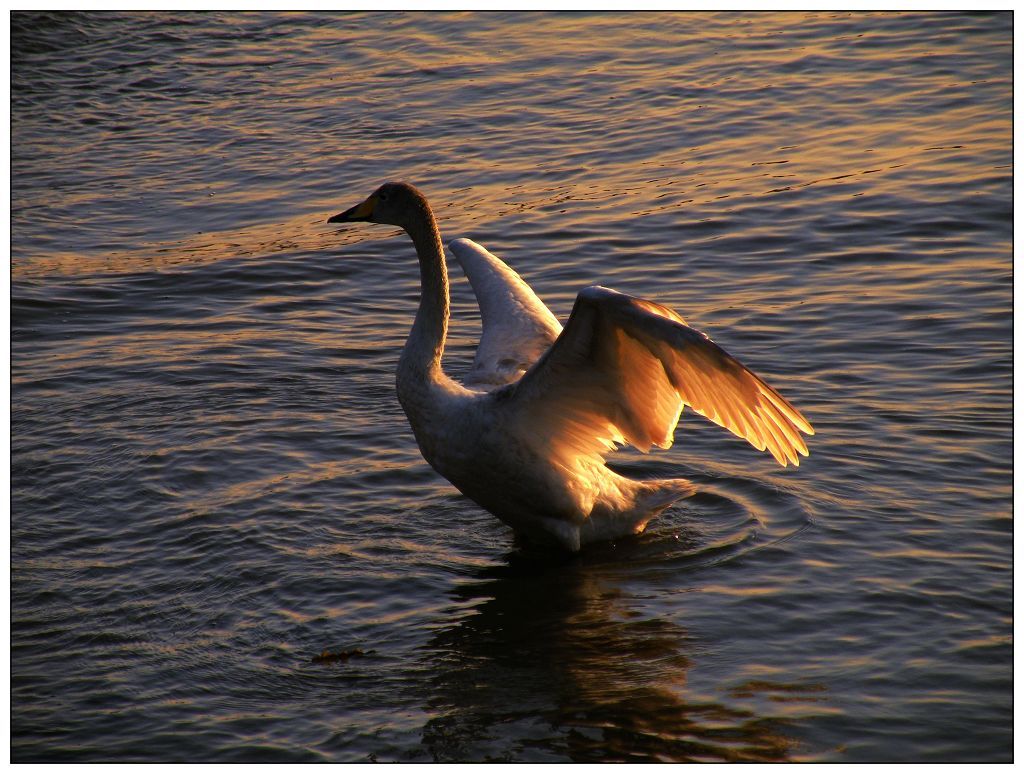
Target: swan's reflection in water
552 664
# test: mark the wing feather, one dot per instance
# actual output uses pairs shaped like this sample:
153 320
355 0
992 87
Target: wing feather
623 369
517 326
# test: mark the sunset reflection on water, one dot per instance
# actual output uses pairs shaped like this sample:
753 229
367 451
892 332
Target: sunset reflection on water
212 481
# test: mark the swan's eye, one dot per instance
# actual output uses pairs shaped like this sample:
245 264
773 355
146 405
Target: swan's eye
383 197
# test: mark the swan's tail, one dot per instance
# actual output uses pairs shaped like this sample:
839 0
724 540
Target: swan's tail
659 494
649 498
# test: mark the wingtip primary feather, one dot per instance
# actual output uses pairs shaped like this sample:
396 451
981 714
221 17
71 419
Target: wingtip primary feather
788 410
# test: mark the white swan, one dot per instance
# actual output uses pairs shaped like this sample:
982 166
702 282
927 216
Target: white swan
526 435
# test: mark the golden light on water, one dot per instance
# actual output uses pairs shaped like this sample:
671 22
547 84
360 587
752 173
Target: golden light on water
216 495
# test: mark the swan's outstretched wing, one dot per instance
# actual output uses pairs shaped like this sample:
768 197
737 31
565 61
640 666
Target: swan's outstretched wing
622 370
517 327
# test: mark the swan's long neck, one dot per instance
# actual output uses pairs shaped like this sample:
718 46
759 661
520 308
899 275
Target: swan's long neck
421 357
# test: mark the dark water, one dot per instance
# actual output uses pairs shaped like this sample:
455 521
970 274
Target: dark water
213 483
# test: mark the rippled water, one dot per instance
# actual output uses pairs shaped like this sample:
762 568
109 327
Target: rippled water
213 483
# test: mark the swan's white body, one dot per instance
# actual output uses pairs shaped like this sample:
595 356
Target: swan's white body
526 434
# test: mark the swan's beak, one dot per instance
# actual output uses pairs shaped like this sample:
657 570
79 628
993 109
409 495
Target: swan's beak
361 212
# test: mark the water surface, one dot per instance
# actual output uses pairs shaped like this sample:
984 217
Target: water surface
213 483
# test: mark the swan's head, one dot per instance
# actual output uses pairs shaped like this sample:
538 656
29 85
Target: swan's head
393 203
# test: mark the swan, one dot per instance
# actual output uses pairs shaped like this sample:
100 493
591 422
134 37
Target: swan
526 434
